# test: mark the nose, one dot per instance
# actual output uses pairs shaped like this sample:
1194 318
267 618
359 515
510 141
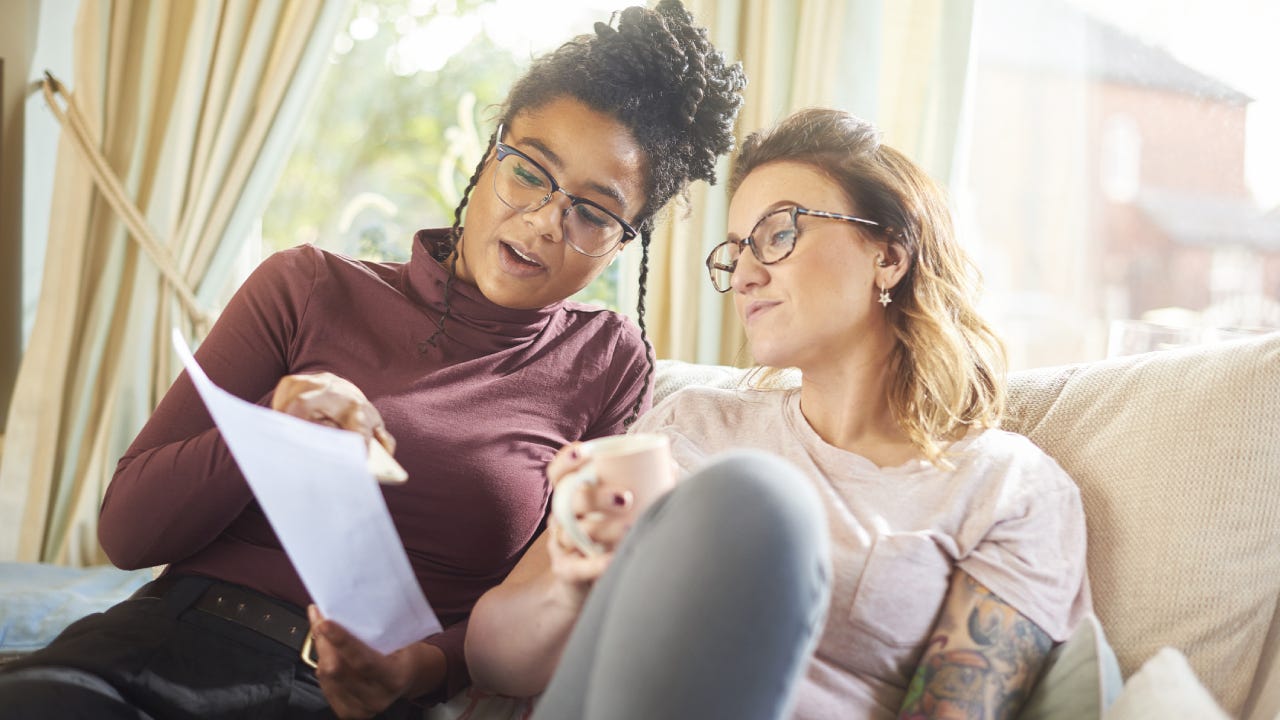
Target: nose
749 273
548 219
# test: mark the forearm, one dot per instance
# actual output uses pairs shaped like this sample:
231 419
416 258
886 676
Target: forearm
519 628
983 659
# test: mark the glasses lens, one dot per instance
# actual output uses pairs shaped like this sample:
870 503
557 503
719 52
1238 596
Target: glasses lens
590 230
520 184
774 236
721 263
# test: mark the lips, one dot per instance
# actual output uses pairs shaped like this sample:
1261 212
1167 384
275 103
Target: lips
525 257
519 262
756 308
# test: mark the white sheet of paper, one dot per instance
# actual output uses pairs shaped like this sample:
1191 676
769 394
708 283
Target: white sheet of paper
329 513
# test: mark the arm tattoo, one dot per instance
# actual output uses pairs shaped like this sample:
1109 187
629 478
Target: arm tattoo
982 670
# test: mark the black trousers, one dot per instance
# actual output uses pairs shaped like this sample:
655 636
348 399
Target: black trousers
160 658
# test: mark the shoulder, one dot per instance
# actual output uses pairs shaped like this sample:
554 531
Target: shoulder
602 330
307 268
307 261
1014 461
612 321
710 408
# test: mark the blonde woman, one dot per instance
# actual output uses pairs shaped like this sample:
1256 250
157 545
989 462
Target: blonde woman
957 549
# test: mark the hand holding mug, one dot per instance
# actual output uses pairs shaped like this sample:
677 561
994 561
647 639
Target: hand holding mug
599 500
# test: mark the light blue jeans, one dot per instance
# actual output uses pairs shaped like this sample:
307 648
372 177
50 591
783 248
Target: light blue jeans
711 607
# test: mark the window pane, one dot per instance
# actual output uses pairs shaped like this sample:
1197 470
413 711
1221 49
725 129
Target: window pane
1115 171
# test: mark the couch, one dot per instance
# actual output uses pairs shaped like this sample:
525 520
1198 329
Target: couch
1177 455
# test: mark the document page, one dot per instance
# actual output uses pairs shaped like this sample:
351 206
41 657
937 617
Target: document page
328 511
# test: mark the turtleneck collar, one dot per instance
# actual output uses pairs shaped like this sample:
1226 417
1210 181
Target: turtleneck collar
474 321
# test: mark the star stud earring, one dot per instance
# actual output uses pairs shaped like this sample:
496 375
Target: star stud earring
884 297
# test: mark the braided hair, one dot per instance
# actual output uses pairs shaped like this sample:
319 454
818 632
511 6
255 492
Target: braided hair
658 75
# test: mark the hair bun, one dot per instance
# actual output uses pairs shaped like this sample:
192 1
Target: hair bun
660 76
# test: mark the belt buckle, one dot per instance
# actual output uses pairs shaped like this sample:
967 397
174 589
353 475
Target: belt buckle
308 651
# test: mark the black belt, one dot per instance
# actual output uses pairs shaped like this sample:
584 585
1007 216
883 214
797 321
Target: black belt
243 607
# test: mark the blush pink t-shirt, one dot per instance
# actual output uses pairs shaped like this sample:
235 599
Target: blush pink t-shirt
1007 515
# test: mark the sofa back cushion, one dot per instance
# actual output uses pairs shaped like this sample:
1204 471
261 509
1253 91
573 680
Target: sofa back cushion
1177 455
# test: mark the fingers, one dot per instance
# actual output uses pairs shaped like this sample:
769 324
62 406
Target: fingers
570 565
381 435
352 675
327 399
571 457
592 498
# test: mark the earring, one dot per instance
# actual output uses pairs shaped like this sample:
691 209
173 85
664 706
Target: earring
884 297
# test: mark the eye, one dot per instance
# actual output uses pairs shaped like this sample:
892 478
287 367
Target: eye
593 216
527 175
782 239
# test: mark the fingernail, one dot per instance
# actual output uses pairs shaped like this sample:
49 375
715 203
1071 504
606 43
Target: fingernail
312 614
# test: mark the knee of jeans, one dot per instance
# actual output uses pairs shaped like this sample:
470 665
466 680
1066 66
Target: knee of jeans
763 493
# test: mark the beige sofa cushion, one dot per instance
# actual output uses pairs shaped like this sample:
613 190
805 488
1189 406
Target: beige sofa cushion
1177 455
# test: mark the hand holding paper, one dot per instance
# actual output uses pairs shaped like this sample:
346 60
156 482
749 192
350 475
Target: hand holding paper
314 485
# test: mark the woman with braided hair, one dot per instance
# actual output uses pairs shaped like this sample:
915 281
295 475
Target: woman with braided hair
469 355
957 550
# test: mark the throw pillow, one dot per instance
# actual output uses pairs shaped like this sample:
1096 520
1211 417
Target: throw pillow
1079 680
1165 688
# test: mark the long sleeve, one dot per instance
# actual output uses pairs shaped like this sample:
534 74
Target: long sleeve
457 677
177 487
627 368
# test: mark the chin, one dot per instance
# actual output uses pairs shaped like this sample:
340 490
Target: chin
511 298
772 356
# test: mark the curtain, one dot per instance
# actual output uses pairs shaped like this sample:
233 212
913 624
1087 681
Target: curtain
900 64
191 107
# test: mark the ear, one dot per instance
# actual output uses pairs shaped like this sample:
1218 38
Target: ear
891 265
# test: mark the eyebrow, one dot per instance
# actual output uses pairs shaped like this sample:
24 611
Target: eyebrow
769 209
554 159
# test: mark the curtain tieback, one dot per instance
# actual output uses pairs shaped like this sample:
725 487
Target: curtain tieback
114 192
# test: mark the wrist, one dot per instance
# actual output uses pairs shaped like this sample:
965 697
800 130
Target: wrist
425 671
569 595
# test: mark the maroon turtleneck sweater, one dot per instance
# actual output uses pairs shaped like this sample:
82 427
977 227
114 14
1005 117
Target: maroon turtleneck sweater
476 418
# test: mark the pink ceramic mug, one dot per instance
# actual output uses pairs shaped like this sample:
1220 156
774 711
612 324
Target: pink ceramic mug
635 466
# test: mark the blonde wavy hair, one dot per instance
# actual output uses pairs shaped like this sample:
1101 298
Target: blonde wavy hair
947 366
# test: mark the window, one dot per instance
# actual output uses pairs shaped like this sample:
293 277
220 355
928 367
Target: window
1121 170
401 118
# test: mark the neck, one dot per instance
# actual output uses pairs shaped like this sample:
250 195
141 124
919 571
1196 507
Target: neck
846 403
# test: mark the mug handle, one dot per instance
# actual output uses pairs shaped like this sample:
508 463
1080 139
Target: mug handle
562 509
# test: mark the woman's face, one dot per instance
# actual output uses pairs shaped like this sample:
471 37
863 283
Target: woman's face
519 259
818 305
